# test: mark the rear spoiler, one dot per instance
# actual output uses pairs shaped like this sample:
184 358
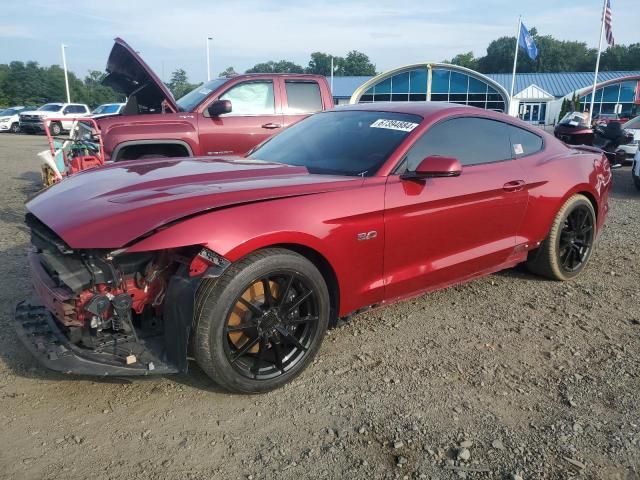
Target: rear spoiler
587 148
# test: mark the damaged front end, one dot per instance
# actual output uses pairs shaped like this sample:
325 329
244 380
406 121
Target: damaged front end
102 312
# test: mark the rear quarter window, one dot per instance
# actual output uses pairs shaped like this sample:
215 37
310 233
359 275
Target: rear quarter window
523 142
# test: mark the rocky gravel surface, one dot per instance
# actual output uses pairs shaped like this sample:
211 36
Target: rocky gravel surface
507 377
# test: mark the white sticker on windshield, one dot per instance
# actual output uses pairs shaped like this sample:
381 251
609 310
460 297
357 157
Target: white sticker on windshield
204 91
394 125
517 148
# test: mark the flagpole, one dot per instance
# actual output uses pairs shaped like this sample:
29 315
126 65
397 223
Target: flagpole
595 78
331 74
515 61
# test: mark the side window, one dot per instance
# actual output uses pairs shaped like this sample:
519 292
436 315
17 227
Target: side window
471 140
251 98
303 97
524 142
67 110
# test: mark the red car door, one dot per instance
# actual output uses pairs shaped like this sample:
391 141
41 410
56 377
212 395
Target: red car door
442 230
256 115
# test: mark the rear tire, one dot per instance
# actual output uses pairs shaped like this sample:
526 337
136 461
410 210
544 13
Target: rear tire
262 322
567 249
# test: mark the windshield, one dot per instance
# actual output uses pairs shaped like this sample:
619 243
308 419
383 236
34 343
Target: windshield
195 97
107 108
51 107
575 119
8 112
340 142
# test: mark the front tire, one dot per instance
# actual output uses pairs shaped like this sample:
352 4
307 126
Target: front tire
262 322
567 249
15 127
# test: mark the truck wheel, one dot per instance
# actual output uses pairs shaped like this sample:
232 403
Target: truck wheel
567 249
55 129
261 323
15 127
636 181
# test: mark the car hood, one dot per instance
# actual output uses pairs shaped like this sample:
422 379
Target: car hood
127 72
110 207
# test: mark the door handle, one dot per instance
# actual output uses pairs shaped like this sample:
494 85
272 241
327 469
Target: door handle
271 126
513 186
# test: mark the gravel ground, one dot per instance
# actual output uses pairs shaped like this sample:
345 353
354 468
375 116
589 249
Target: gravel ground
506 377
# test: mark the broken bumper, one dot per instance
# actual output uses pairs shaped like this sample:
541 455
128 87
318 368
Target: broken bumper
41 335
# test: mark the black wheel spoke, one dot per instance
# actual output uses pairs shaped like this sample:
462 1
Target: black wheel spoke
245 348
268 294
240 328
290 337
254 310
277 355
255 368
298 302
285 291
300 320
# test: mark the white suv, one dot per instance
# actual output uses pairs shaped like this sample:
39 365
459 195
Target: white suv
33 121
9 119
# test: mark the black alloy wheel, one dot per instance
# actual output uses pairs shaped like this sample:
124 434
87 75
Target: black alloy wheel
570 243
271 325
262 322
576 239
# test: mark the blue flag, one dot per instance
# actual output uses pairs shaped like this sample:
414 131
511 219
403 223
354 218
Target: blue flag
526 42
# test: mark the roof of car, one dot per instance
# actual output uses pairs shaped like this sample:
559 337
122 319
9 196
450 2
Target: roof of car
418 108
439 109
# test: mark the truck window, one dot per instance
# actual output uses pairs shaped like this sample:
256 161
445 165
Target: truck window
251 98
303 97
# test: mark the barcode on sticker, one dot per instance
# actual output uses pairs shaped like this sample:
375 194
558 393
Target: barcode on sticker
394 125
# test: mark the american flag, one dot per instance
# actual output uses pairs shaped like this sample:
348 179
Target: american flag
607 24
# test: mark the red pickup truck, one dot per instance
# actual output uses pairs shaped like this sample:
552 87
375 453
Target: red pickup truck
225 116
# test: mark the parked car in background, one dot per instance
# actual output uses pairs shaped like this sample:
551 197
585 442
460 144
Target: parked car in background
635 169
226 116
107 109
32 121
632 127
243 263
10 119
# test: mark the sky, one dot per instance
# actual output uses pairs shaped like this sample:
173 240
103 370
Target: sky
172 34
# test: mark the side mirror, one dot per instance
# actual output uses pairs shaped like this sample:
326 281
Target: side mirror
435 166
219 107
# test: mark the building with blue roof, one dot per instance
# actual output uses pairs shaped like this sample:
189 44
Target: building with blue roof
537 96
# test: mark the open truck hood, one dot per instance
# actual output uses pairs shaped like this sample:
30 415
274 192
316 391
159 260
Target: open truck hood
110 207
128 74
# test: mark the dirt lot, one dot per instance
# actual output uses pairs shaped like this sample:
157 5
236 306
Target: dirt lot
510 376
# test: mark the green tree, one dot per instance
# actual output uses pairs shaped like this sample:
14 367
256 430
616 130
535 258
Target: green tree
228 72
320 64
356 63
283 66
179 83
465 60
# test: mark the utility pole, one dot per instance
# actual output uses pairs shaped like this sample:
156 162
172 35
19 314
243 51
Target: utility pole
66 76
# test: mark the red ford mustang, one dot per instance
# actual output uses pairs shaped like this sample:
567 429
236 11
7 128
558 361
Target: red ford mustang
244 263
